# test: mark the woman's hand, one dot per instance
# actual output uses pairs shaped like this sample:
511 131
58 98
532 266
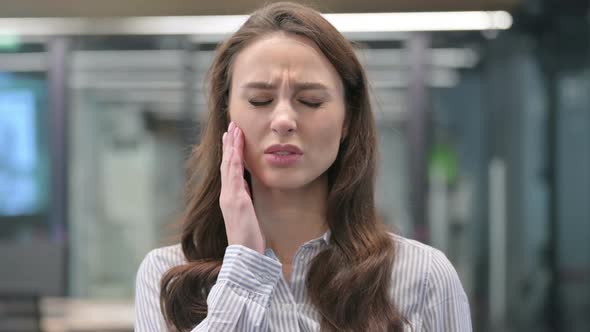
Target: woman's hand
241 224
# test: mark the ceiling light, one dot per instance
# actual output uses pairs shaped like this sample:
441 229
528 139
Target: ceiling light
226 24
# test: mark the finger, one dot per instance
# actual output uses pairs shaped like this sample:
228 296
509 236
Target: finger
236 166
225 156
223 139
239 143
230 134
223 150
230 144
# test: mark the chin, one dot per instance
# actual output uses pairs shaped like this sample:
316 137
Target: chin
284 179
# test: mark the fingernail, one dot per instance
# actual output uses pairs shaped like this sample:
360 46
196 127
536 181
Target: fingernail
231 126
223 137
236 132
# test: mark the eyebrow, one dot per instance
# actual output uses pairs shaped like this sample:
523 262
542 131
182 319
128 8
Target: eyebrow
298 86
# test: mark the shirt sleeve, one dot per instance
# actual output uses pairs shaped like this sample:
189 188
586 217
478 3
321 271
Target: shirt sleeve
238 301
447 306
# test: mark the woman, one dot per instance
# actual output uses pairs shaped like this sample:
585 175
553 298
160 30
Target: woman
280 231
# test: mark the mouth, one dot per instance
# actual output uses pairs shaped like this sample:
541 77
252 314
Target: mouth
283 150
283 155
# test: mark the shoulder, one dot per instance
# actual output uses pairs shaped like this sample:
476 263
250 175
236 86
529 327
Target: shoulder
158 261
423 276
416 258
147 286
419 257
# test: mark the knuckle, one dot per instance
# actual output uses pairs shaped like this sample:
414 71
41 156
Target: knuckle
241 204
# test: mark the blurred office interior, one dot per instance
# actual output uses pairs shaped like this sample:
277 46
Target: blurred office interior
484 138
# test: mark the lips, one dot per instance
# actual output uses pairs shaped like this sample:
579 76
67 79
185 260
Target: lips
283 155
283 149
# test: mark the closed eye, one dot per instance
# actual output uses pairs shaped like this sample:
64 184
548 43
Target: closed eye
311 104
258 103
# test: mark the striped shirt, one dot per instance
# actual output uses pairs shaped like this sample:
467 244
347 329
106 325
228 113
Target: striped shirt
251 294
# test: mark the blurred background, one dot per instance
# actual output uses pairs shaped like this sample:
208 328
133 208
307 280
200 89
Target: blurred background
482 107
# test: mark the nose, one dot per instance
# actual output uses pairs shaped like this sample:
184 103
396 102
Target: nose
284 121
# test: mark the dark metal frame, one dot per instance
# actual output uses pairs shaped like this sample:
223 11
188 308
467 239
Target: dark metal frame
58 49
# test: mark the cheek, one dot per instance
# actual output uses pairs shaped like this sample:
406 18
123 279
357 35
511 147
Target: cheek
329 128
252 147
329 134
247 155
238 111
239 116
330 138
245 121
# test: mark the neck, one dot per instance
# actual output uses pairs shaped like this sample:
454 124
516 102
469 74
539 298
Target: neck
289 218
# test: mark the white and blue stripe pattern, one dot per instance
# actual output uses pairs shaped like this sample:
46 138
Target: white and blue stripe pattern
252 295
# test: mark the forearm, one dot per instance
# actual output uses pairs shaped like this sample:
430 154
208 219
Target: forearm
241 297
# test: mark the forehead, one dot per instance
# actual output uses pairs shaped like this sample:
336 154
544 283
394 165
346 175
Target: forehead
281 55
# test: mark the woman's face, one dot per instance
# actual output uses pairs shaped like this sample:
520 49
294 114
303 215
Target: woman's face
285 92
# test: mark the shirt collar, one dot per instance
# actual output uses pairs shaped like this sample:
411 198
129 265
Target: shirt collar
324 239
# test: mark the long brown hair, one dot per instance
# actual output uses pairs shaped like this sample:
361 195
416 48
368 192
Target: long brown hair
349 281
